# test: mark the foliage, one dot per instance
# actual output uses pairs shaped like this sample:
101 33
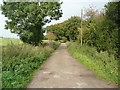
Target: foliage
113 11
64 39
19 65
27 18
66 29
105 66
102 29
90 12
51 36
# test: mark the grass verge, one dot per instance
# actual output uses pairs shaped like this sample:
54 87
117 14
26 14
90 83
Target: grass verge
103 65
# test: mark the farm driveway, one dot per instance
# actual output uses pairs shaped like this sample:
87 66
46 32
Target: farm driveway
61 70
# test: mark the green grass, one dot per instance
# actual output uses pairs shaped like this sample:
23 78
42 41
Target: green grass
6 41
19 63
103 65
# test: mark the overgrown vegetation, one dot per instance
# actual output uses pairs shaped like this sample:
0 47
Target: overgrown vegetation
99 28
66 30
102 30
19 62
102 64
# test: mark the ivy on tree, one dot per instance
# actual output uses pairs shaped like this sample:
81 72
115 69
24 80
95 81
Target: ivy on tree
27 18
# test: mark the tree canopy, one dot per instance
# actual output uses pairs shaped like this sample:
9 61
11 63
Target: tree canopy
100 28
27 18
67 29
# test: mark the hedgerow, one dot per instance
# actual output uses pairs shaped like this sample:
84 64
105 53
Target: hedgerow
19 62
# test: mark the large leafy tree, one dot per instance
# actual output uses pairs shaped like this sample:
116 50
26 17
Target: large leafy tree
67 29
71 27
113 11
27 18
57 29
109 28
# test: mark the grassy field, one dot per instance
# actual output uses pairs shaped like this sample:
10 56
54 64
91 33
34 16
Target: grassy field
6 41
103 65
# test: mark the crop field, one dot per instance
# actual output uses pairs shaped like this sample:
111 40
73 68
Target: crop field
6 41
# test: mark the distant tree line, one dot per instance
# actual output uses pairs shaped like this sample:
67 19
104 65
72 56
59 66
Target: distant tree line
66 30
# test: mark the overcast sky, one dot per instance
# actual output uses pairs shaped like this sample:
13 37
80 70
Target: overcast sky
69 8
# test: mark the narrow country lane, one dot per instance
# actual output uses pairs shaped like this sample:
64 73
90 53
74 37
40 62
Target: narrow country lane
61 70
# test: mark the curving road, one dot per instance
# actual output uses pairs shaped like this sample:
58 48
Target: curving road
61 70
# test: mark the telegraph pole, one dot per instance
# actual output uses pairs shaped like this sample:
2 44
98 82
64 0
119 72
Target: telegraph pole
39 3
81 25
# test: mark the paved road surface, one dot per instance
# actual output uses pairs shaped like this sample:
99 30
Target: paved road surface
61 70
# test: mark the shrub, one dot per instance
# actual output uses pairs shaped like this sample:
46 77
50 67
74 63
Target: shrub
64 39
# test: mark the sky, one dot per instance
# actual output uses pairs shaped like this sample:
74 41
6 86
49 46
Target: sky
69 8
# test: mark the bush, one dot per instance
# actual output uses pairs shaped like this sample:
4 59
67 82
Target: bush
19 62
53 44
64 39
105 66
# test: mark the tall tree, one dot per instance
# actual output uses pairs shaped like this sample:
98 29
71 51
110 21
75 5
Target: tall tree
113 11
27 18
102 29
